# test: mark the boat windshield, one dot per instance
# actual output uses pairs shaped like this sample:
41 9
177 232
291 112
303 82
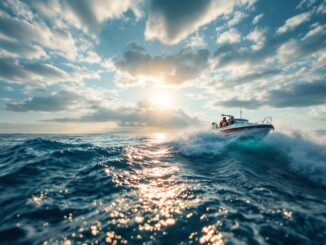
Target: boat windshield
238 120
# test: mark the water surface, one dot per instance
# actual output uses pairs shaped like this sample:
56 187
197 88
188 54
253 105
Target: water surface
159 189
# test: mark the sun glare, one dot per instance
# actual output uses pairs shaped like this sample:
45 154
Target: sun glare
162 101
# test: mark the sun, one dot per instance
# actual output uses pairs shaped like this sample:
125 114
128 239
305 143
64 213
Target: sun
162 100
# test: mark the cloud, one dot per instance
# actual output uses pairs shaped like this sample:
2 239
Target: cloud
186 65
316 30
12 49
236 103
306 3
60 101
172 21
140 115
293 22
90 14
257 19
19 8
85 15
197 42
230 36
258 37
23 32
91 57
237 17
249 77
273 50
294 49
297 95
13 71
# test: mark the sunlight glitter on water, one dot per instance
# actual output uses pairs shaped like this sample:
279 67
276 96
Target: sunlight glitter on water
161 198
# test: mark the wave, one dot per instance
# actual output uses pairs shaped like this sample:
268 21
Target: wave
306 152
199 143
302 153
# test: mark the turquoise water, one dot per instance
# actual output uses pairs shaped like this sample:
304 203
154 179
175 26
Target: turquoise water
198 188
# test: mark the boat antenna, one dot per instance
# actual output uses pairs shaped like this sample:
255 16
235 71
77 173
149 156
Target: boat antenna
240 112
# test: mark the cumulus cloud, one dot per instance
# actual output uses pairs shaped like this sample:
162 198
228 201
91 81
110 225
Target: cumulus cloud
197 41
258 37
186 65
293 22
140 115
294 48
60 101
277 50
230 36
172 21
236 18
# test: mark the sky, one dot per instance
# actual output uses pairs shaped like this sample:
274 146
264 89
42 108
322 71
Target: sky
79 66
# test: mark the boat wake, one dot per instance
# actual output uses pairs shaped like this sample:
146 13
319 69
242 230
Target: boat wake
299 152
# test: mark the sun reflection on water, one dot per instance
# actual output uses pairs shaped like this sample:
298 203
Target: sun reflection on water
161 198
154 199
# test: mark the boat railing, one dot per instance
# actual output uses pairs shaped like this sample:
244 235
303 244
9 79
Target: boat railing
266 121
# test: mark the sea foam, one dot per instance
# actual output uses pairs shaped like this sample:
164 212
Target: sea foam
304 153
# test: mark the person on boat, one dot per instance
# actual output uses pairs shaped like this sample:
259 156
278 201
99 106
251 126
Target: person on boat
231 120
220 123
223 122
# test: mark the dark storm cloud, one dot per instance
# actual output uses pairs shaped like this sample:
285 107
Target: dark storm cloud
186 65
138 116
60 101
299 95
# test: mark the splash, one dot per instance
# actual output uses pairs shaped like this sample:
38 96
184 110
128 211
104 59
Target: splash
200 143
304 153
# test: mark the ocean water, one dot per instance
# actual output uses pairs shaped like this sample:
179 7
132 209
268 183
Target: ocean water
193 188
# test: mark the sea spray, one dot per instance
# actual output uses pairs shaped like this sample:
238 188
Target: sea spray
306 152
302 152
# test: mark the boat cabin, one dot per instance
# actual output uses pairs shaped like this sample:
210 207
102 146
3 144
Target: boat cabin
241 121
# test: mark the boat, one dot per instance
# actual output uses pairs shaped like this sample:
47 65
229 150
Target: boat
243 128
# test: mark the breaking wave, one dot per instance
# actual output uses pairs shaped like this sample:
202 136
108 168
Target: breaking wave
303 153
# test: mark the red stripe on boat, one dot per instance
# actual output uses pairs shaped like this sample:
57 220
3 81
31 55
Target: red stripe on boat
231 130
